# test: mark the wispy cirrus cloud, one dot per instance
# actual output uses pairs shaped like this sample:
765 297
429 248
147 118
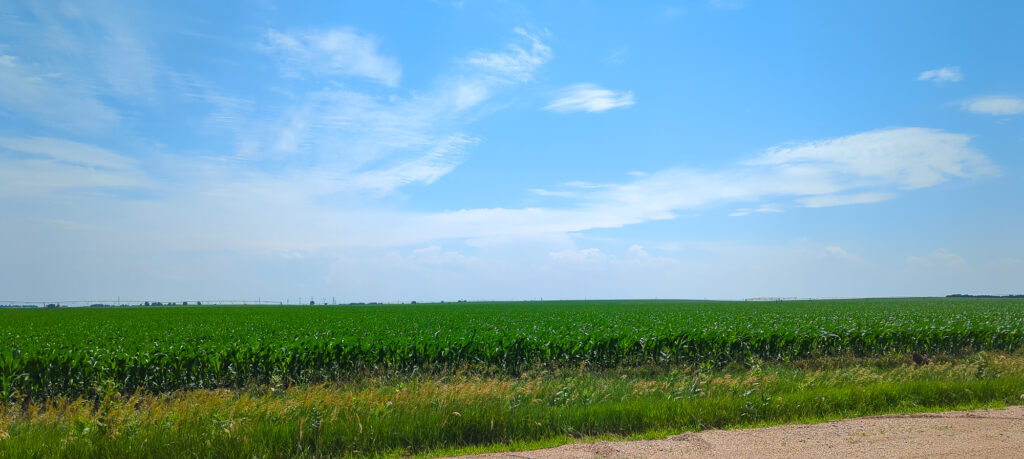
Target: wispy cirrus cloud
333 140
834 251
767 208
41 166
519 60
380 144
74 66
830 200
105 45
994 105
426 169
862 168
334 52
67 152
589 97
51 98
942 75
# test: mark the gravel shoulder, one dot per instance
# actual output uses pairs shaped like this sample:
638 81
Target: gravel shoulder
975 434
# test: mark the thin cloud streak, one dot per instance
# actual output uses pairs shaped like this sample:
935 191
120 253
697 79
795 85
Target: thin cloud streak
904 157
589 97
333 52
841 171
75 63
51 98
518 62
845 199
381 144
426 169
942 75
995 105
39 167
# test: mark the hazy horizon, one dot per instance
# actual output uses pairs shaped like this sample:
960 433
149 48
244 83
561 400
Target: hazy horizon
328 301
447 150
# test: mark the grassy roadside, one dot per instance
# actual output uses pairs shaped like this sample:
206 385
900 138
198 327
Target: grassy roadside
465 413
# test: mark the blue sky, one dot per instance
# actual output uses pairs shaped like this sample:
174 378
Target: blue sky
397 151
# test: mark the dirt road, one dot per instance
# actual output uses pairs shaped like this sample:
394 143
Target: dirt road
974 434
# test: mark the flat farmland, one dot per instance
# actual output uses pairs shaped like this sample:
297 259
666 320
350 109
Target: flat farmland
457 378
88 352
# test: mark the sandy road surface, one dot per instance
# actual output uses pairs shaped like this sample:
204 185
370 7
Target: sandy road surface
981 433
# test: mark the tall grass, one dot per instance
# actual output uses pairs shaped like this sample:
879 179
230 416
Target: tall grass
453 413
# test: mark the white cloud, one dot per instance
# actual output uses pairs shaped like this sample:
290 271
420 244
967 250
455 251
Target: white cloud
382 143
468 94
995 105
588 97
517 62
590 255
559 194
54 101
334 52
835 251
39 167
830 200
437 162
637 251
123 60
67 151
743 212
943 75
103 45
905 157
72 63
434 255
341 139
861 168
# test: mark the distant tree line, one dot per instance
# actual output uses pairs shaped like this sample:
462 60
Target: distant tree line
964 295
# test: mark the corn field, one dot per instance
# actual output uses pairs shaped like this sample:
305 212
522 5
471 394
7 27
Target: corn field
89 352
